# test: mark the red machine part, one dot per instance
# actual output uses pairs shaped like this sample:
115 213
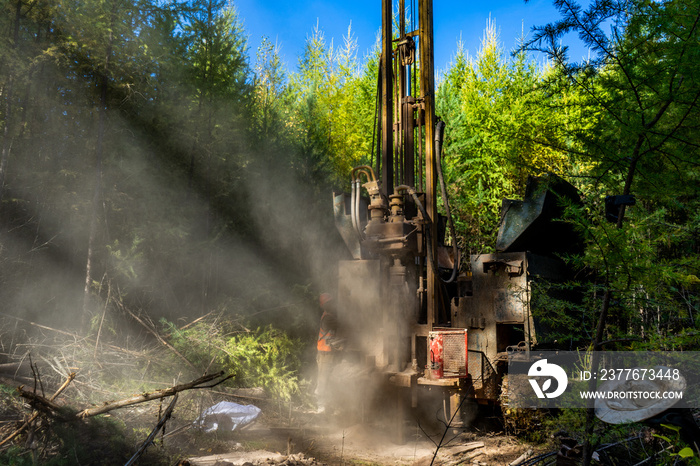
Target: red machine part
448 353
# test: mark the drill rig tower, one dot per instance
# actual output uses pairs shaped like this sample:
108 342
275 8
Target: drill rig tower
389 297
406 310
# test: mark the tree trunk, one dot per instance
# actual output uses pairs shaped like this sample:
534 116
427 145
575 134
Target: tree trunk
602 319
102 116
6 136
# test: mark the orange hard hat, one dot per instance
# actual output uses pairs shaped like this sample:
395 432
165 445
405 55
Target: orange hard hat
324 299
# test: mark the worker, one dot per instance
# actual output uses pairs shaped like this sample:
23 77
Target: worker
327 347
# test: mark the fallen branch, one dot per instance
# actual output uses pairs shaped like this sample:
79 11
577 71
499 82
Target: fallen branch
36 414
72 335
44 327
461 449
196 320
17 372
244 393
160 425
14 368
50 406
154 395
155 334
521 458
177 431
38 401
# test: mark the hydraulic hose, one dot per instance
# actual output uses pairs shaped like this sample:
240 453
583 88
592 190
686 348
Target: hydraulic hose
439 136
355 195
423 212
353 214
355 207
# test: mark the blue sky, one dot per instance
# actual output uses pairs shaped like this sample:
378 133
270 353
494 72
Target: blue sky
289 23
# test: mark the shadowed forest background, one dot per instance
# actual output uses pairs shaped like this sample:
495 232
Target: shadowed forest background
148 168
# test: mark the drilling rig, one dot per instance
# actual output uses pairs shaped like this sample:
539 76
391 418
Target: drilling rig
404 306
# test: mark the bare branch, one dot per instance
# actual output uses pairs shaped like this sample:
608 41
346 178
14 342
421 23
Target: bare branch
160 425
36 414
198 383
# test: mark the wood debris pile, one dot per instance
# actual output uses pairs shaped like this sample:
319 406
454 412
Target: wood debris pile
298 459
463 454
56 383
253 458
48 407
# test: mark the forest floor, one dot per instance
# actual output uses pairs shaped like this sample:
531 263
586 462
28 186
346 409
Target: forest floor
317 439
280 436
287 435
313 439
283 434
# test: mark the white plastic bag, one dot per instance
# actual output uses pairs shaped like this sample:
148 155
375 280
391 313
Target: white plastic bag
227 416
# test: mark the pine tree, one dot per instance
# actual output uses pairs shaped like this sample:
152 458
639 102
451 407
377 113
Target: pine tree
501 128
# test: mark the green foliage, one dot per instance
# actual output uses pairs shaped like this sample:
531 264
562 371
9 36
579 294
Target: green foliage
571 423
17 456
630 115
500 129
270 89
125 259
646 263
333 107
265 357
673 439
559 307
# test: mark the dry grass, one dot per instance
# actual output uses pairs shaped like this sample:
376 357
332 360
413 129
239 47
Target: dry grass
39 358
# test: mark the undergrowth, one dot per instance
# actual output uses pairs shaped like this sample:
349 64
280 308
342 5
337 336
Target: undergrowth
621 444
116 367
265 357
103 440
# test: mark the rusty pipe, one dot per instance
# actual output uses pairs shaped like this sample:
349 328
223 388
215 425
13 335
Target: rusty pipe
367 170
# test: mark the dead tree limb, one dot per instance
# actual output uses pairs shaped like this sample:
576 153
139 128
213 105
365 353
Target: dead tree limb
72 335
37 401
155 334
18 372
104 313
35 372
196 320
15 368
36 414
160 425
44 327
48 403
198 383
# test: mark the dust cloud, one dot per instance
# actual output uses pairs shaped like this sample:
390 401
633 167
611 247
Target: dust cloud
180 233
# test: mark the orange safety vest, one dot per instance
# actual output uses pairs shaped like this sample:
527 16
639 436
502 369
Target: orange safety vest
323 337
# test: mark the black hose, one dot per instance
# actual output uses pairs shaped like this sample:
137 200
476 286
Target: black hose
410 190
439 136
377 120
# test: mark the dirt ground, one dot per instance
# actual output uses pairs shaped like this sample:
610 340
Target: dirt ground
293 438
317 441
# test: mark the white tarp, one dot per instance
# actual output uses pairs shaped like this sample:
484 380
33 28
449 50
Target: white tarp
227 416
